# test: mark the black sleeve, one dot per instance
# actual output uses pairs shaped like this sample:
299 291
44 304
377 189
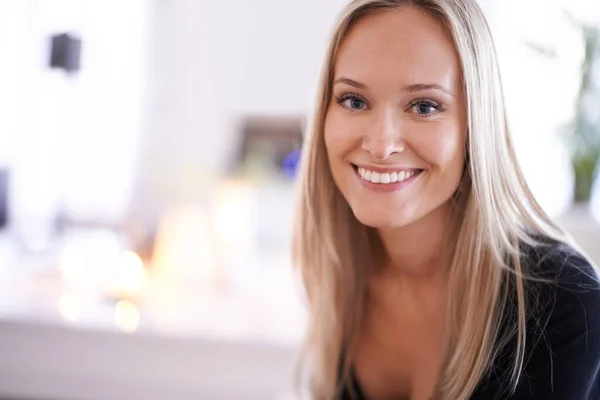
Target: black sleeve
564 363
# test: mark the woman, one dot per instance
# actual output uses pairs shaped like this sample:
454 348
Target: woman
431 271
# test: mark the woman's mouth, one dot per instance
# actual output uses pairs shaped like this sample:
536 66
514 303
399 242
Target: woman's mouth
388 177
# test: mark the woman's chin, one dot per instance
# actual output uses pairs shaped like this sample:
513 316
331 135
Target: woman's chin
379 220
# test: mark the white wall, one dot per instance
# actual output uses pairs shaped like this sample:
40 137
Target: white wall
13 23
19 98
213 62
70 141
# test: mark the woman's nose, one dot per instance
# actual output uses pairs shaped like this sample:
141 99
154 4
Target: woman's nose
386 136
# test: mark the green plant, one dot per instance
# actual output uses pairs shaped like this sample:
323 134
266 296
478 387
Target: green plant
585 126
583 131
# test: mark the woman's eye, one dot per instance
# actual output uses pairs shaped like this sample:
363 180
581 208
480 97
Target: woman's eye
352 102
425 107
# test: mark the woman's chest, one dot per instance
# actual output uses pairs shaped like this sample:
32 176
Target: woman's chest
398 353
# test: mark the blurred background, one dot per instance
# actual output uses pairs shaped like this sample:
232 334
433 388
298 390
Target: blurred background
147 159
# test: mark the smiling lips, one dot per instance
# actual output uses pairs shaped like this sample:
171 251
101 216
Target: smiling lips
386 177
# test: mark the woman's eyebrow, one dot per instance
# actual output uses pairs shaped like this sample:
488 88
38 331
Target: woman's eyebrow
350 82
412 88
418 87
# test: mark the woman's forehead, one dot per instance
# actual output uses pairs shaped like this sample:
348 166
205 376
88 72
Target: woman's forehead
404 44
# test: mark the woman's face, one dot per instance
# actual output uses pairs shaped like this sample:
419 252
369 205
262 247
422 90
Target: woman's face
395 126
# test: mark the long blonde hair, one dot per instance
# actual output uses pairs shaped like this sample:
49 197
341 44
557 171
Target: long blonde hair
494 209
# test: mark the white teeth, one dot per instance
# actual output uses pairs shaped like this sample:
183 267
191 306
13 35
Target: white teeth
385 177
375 177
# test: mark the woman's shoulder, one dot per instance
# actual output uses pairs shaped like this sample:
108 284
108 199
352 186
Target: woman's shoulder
565 287
564 342
562 267
562 360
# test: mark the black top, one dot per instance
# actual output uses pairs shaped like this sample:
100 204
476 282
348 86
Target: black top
563 337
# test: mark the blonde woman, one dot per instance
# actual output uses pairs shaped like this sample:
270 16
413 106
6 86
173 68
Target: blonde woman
430 270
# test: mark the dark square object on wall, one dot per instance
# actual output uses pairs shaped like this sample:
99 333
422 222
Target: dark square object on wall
65 52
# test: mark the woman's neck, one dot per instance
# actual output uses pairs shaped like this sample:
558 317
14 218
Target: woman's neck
418 251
